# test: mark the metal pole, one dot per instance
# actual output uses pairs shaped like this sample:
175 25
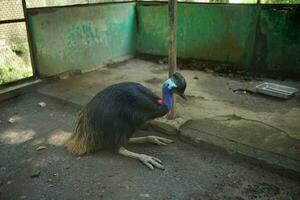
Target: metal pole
29 38
172 47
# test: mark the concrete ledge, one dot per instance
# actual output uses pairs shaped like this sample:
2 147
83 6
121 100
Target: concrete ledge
16 90
170 127
275 162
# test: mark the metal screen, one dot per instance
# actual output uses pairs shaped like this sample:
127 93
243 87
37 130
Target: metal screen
15 60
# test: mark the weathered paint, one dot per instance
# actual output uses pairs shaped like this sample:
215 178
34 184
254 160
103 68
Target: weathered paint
247 35
258 37
279 40
211 32
81 37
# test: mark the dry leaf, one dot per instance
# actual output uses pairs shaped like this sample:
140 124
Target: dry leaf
41 148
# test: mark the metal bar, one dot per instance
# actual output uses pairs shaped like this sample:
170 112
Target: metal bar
29 37
80 5
172 47
9 21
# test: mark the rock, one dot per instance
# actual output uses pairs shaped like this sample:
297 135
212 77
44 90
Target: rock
42 104
35 174
9 182
23 197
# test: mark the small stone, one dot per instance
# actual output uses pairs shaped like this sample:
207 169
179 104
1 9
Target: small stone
50 185
54 174
145 195
78 158
35 174
23 197
42 104
9 182
50 180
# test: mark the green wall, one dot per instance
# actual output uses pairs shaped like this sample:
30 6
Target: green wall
254 36
257 37
278 45
81 37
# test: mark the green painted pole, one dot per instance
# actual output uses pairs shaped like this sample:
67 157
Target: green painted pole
172 46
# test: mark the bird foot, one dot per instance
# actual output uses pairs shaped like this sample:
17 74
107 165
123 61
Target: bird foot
151 161
159 140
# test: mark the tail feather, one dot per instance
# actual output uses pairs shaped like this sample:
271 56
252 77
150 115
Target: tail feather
83 140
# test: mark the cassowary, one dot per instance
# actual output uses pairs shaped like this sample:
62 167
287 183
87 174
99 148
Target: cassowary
114 114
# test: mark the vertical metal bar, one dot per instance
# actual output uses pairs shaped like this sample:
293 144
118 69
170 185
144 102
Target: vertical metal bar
172 46
29 38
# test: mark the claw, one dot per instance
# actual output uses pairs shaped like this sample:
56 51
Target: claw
150 161
159 140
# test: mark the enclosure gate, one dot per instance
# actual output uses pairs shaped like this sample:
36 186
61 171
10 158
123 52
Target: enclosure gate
16 56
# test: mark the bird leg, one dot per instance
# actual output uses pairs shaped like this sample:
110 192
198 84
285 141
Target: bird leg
149 161
151 139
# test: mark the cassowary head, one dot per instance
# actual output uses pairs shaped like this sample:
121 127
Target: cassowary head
176 84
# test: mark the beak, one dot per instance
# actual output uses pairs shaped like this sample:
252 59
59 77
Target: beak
183 96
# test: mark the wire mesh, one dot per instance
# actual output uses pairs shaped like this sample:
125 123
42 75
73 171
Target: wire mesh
15 63
11 9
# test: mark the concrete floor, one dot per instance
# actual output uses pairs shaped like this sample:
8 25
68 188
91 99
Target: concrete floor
191 172
257 122
264 125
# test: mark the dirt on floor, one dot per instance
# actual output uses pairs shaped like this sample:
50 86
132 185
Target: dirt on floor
35 165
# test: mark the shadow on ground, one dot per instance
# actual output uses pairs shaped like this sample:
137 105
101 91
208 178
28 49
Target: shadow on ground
191 173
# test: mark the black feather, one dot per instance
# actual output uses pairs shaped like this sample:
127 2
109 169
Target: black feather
113 115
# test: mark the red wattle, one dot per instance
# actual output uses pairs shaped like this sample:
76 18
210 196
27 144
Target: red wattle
160 101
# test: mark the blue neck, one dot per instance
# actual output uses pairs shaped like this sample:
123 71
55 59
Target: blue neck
167 97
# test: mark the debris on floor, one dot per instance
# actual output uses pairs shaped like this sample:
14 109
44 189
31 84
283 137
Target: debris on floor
42 104
39 148
35 174
11 120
